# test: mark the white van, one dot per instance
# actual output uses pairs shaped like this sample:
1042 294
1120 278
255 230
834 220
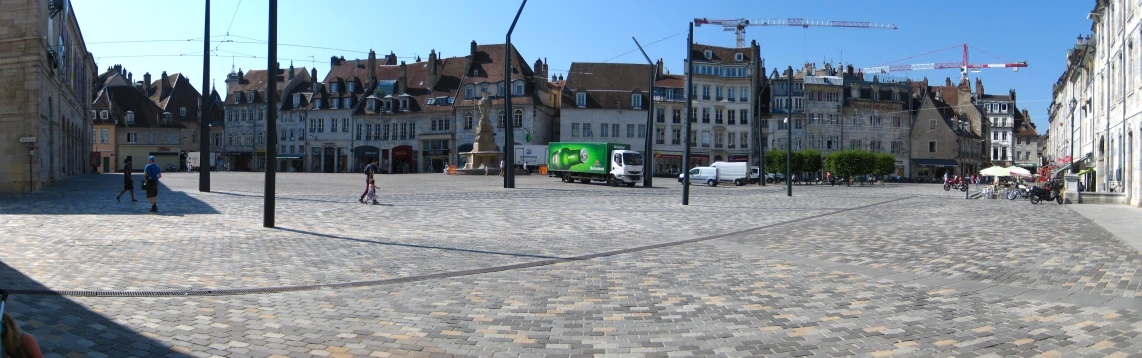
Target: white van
708 175
733 172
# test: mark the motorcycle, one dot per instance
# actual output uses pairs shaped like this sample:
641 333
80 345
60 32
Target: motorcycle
1052 192
1021 190
957 183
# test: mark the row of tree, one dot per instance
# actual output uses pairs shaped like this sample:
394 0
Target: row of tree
843 163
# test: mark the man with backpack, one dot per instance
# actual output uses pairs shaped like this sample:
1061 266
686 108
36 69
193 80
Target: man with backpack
369 171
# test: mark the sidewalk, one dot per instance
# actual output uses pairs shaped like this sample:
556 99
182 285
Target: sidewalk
1124 221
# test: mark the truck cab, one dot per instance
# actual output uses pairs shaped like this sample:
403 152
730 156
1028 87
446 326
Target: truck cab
626 167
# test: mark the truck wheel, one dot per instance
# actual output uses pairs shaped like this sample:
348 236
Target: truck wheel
567 178
585 181
611 181
630 184
712 182
739 182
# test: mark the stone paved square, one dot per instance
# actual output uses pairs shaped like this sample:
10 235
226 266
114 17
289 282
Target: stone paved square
459 266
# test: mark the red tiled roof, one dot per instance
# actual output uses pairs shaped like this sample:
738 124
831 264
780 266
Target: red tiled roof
671 81
720 54
258 80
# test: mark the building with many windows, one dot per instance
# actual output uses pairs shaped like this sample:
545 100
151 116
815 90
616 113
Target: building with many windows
47 76
724 88
669 117
130 125
608 102
1026 147
942 138
293 111
175 94
245 124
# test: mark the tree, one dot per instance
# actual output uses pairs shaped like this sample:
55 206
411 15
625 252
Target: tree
811 160
775 161
885 164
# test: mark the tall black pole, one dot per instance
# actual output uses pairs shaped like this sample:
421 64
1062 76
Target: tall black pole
271 116
648 164
759 139
509 118
204 117
689 113
789 143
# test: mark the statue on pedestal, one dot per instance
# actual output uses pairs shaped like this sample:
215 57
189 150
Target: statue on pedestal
484 152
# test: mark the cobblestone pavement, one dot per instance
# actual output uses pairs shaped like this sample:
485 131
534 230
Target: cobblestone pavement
552 268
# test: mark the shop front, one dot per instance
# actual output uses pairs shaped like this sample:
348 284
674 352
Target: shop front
434 154
404 160
670 163
935 168
290 163
240 161
364 155
739 158
164 156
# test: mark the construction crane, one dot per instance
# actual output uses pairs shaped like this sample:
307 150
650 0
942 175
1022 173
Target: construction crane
964 65
738 25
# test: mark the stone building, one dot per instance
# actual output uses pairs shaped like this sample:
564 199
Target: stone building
1026 148
245 124
608 102
406 117
293 114
1001 113
722 116
137 128
942 139
534 99
175 94
46 129
670 109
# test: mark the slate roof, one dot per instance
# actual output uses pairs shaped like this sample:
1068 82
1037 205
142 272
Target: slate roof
489 60
824 80
720 54
606 84
120 100
671 81
257 80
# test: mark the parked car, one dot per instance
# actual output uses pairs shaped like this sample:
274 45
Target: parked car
708 175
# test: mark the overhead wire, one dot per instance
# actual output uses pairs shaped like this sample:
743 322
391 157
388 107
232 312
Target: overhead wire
644 46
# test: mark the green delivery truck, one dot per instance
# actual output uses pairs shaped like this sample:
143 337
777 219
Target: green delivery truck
612 163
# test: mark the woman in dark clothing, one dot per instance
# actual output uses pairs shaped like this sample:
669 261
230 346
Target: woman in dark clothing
128 183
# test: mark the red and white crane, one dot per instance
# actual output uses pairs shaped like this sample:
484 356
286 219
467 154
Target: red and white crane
964 66
738 25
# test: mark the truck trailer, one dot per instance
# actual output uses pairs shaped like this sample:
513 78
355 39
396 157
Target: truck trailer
613 163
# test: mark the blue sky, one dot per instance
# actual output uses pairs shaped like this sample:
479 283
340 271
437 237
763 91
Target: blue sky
1036 31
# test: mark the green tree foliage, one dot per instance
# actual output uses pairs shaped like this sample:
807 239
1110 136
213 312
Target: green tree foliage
851 162
885 164
775 161
811 159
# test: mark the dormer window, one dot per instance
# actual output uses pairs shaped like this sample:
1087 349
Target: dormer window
404 104
388 105
475 72
483 89
518 88
636 101
250 97
334 103
333 87
739 57
296 100
352 87
500 89
103 114
182 111
317 103
581 100
166 117
373 105
130 116
708 54
347 102
237 97
468 91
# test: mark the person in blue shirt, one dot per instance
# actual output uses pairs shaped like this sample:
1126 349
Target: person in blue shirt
152 172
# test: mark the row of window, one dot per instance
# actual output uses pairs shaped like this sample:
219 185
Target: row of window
608 130
470 121
721 71
740 116
133 137
833 119
244 114
386 131
318 125
470 90
635 101
719 91
995 107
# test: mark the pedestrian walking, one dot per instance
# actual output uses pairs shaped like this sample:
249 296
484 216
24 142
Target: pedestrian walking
151 175
945 177
485 169
525 168
371 193
15 342
502 167
128 183
369 171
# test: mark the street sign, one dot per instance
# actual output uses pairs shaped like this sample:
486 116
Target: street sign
27 139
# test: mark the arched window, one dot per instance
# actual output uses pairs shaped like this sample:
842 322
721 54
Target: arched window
467 120
501 118
517 118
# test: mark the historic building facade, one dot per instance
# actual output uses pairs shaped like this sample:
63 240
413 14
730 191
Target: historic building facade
46 130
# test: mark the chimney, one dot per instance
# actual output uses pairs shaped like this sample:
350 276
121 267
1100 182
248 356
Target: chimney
372 80
1080 40
333 62
391 59
166 85
313 74
139 86
119 69
947 81
658 69
473 51
561 77
1012 95
545 67
553 78
291 70
402 84
1026 115
147 78
849 69
979 86
241 77
130 77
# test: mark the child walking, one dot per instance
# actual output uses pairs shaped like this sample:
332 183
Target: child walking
371 193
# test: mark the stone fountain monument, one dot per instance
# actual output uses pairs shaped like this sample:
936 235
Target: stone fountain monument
484 152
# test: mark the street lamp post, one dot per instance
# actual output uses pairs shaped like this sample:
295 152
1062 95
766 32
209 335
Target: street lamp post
789 144
689 113
1071 141
509 125
648 162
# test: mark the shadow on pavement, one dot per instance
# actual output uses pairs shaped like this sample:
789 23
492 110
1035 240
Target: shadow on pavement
66 328
418 246
95 195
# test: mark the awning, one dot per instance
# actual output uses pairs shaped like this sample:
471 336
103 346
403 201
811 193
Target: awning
937 162
289 156
1084 171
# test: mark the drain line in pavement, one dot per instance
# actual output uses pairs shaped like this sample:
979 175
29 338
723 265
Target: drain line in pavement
390 281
